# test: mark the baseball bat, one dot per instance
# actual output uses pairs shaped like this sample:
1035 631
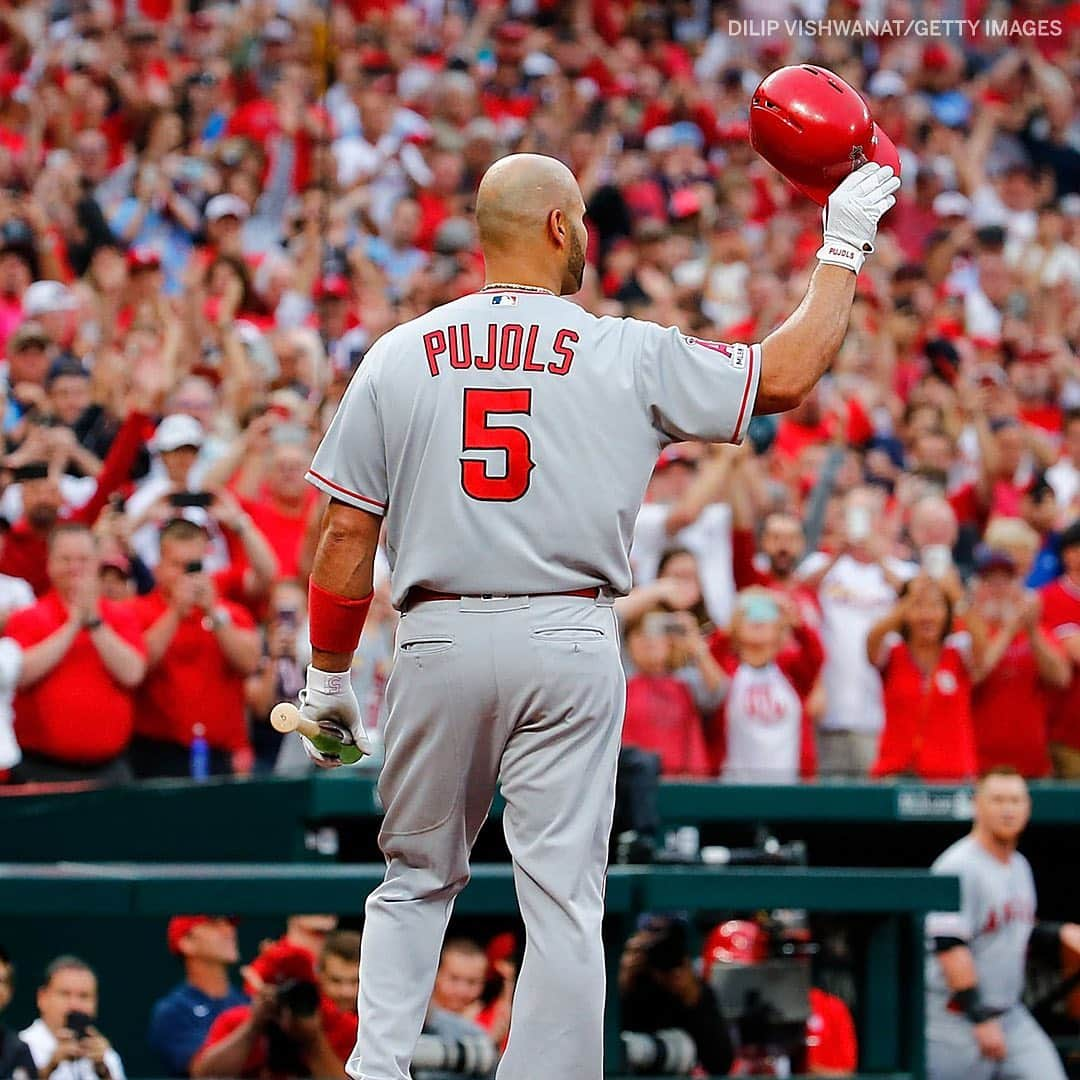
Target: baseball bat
329 739
286 718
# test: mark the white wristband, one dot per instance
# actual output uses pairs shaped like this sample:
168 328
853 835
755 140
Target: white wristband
328 682
840 253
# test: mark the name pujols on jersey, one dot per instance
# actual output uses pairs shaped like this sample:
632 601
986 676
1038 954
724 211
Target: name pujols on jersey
503 346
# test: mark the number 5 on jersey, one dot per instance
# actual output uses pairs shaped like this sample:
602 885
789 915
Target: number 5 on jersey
479 433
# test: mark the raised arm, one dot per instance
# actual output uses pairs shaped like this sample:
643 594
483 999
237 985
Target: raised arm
798 352
709 485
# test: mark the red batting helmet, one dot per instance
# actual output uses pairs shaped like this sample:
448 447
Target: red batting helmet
737 941
815 129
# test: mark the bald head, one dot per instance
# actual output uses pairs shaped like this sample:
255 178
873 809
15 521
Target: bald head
933 521
529 214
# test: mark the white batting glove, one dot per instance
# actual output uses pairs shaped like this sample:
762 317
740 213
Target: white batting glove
328 697
852 214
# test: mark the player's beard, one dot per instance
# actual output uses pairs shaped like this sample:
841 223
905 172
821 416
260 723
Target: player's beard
575 265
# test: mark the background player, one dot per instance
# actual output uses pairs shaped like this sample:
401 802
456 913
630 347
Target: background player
480 430
976 1027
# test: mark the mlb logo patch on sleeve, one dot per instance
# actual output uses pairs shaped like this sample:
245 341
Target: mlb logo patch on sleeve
737 355
504 300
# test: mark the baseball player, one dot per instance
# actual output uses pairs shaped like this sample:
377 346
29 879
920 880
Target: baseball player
507 439
976 1028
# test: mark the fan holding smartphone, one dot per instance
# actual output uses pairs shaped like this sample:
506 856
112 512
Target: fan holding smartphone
64 1040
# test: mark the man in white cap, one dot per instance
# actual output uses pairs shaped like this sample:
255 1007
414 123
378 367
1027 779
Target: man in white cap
51 304
175 446
48 298
225 216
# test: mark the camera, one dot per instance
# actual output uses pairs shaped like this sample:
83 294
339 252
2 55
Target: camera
299 996
761 979
469 1056
285 1056
193 567
669 946
78 1023
670 1052
185 499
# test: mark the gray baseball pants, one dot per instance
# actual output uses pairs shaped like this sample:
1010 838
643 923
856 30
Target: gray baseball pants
953 1054
529 692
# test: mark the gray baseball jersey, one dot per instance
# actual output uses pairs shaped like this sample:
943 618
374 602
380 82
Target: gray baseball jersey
509 436
997 913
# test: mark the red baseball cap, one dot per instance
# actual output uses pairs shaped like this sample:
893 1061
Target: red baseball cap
281 961
182 925
501 947
332 287
511 32
142 258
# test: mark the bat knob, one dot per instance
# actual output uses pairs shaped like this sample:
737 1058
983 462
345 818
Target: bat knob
285 717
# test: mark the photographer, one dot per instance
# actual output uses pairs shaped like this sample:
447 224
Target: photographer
63 1039
760 972
287 1030
200 648
659 991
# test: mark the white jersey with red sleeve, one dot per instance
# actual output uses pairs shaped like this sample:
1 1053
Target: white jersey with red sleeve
765 735
509 436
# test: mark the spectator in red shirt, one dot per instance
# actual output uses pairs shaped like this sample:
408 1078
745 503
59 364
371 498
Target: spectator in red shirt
200 649
832 1048
82 658
265 470
1002 444
661 715
1061 619
926 682
765 733
24 552
283 503
1021 667
289 1029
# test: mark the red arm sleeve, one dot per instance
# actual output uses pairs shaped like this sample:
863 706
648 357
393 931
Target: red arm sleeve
134 432
859 428
720 647
743 549
803 664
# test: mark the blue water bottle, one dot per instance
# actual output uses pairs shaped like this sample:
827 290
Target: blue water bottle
200 753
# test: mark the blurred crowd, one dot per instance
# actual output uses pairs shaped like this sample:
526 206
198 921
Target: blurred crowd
296 1012
209 210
